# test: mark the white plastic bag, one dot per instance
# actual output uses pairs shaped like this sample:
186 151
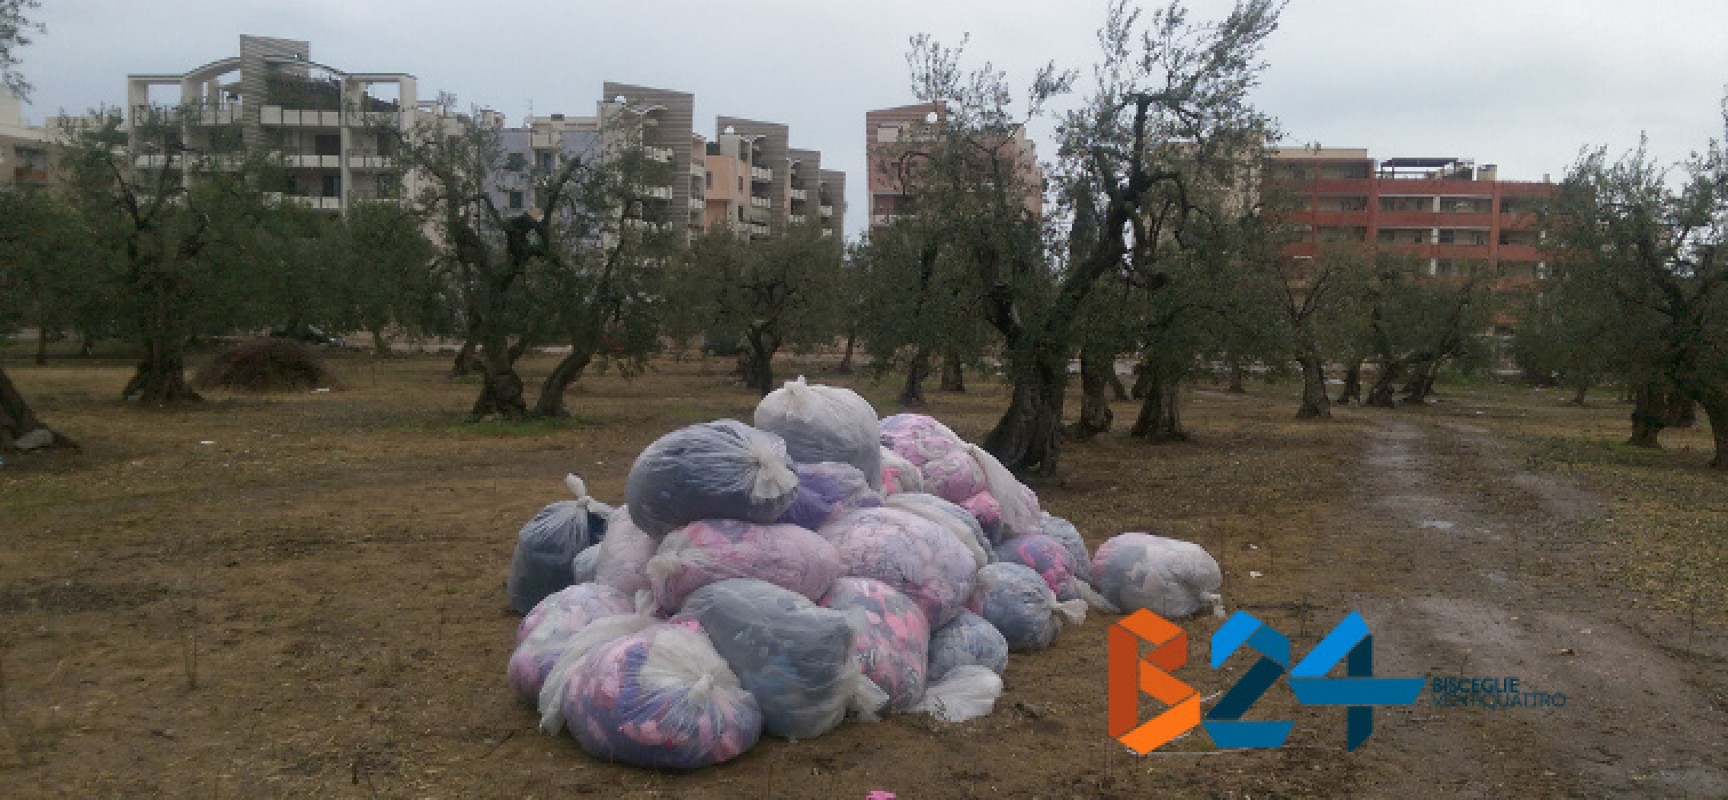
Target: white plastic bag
966 692
1019 503
660 698
556 687
951 517
794 656
824 423
715 470
1169 577
546 546
1017 601
707 551
622 558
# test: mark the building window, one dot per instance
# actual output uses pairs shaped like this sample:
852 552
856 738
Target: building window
740 183
515 201
710 183
327 144
543 161
332 185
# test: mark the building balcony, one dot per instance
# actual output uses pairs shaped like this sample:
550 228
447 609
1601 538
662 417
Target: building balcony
303 161
213 115
377 119
761 174
369 159
294 117
28 174
827 233
800 195
698 169
1333 219
760 202
758 215
1410 219
373 196
656 192
796 219
150 161
881 220
660 154
1352 186
315 203
1455 219
698 204
827 211
758 229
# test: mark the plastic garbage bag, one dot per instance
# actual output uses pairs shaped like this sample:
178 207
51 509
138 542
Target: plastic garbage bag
899 475
622 560
825 491
1169 577
588 600
908 552
550 541
955 519
584 566
1019 503
794 656
555 689
966 692
1045 556
967 639
954 476
918 438
1017 601
555 621
1064 531
891 639
713 550
715 470
661 697
984 508
824 423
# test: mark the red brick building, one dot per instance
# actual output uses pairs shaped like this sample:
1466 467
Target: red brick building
1447 211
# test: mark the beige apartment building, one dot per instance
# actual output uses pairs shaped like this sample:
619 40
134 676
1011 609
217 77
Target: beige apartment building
759 184
746 178
26 152
326 123
323 120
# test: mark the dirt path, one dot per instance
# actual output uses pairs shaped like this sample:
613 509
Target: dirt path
1469 566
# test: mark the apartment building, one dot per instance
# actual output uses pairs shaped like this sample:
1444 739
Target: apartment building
764 146
25 151
758 184
893 137
327 123
1447 211
662 123
831 202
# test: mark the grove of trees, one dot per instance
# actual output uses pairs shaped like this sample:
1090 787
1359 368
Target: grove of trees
1158 245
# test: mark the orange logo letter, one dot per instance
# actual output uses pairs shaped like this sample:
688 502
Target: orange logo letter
1131 674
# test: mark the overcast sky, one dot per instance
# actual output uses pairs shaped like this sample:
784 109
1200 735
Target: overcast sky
1519 83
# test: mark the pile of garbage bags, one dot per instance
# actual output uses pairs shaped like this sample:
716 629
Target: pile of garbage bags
786 577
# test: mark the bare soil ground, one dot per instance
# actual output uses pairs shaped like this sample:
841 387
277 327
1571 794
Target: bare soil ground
302 596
